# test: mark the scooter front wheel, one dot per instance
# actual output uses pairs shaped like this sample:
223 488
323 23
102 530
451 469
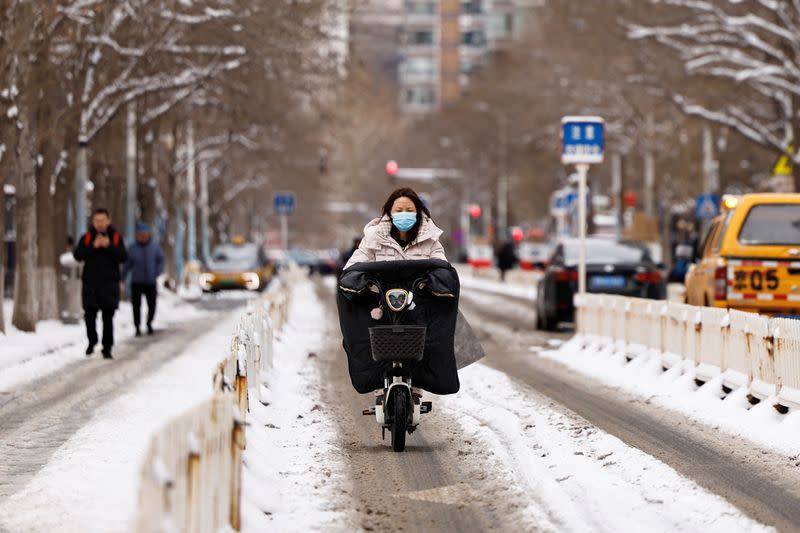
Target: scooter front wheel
400 403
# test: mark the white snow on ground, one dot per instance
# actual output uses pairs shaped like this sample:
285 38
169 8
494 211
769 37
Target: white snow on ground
676 390
27 356
579 478
468 281
91 482
294 469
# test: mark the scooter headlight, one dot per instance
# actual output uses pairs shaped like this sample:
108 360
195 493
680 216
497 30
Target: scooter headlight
398 299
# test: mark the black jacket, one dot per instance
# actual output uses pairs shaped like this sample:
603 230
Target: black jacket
436 306
101 269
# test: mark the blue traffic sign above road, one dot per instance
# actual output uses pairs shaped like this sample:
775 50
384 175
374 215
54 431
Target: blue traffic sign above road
283 203
582 140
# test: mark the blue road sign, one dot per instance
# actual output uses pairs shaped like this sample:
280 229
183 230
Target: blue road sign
582 140
283 203
706 206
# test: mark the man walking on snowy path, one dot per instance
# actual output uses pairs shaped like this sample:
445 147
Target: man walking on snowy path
145 263
103 251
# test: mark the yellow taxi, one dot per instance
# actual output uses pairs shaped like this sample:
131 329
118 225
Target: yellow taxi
237 265
750 259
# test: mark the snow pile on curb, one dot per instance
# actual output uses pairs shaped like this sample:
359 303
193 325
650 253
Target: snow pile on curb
607 361
573 476
292 462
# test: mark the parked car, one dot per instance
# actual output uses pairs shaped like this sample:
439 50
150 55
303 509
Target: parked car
750 258
237 265
624 268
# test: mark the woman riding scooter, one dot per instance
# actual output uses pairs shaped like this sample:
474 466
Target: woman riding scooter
398 306
405 230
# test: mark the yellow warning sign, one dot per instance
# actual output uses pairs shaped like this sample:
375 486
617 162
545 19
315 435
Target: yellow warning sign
783 166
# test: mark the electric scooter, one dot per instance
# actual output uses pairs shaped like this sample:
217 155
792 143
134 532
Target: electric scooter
398 407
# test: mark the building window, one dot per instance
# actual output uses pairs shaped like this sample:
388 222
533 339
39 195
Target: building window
420 37
469 66
419 66
509 23
473 38
420 96
420 7
471 7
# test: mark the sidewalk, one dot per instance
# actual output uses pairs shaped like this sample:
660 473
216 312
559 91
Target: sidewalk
27 356
91 482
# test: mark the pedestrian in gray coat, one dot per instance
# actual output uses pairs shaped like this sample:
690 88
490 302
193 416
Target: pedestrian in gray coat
145 263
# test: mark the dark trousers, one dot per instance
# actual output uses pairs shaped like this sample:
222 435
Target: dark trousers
90 316
149 292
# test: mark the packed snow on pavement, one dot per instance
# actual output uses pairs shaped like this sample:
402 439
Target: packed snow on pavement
566 473
573 476
295 478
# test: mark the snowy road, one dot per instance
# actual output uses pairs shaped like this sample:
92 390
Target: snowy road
515 450
38 417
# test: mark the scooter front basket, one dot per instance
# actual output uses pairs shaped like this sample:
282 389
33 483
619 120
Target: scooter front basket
397 343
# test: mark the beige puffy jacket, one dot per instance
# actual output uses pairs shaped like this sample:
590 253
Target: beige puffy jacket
378 244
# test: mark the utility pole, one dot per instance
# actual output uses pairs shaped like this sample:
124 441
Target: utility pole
191 232
710 165
649 168
130 178
81 180
205 245
617 192
502 179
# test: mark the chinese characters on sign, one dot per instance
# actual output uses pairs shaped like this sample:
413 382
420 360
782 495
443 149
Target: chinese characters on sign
582 140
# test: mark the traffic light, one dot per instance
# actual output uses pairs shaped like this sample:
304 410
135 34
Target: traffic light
475 210
517 234
392 168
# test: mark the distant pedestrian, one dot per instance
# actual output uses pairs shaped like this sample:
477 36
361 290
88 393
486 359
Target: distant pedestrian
103 251
145 263
506 258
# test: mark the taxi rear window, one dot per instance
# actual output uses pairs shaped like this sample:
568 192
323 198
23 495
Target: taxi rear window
776 224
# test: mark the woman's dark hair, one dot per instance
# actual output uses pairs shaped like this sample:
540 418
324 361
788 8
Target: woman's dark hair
409 193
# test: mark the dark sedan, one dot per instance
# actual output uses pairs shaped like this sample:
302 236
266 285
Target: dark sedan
624 268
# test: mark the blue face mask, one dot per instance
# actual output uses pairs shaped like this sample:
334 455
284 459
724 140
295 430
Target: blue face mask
404 221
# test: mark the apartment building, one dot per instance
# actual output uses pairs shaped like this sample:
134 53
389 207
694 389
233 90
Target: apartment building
442 42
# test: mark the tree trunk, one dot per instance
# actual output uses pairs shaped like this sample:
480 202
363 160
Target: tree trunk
47 274
5 169
26 302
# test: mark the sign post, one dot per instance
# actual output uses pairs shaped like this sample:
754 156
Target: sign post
283 204
582 145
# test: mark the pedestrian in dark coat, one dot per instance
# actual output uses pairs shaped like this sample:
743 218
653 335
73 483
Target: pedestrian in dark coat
145 263
103 251
506 258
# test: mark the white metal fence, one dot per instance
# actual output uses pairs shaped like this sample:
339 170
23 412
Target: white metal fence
745 349
191 476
